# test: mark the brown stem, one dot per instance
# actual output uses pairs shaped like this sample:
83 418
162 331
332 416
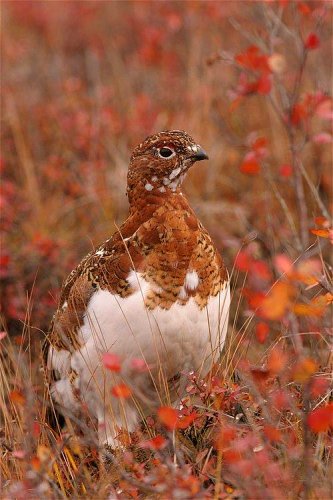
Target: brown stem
300 196
307 462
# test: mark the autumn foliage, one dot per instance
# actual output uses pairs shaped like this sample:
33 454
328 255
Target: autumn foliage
81 85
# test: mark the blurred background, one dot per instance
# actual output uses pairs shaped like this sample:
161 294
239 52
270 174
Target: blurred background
84 82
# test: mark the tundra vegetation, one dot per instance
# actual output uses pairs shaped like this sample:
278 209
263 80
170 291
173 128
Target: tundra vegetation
84 82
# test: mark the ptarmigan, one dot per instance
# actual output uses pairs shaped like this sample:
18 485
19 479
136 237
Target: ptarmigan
157 291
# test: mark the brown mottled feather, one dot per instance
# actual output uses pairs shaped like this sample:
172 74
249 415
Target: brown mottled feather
162 239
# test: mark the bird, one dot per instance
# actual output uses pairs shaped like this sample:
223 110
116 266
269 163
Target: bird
155 296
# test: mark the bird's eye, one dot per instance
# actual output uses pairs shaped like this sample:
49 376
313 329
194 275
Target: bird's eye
166 152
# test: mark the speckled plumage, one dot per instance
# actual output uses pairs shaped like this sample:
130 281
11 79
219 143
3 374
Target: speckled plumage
162 263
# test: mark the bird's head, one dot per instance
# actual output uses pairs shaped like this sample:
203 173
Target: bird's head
161 161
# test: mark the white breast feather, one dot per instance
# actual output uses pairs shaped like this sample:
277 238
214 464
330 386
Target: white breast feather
191 280
170 341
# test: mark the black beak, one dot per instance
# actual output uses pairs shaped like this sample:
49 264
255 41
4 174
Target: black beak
200 154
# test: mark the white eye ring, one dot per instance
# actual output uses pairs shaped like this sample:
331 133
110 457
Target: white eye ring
166 153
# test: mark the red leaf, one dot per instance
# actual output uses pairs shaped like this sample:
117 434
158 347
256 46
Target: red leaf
3 335
321 419
253 59
304 8
272 433
259 143
264 84
36 429
321 221
281 400
322 138
139 365
111 362
298 113
4 260
285 170
324 109
186 420
260 375
319 386
168 416
224 437
255 299
121 391
156 443
283 263
243 261
232 456
262 330
250 167
312 41
261 269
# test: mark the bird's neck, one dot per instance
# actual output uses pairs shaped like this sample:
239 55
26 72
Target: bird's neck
144 195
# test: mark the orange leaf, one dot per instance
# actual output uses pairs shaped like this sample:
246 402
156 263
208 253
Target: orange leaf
276 361
303 370
17 397
121 391
35 463
308 271
168 416
315 308
321 419
322 233
277 302
328 297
